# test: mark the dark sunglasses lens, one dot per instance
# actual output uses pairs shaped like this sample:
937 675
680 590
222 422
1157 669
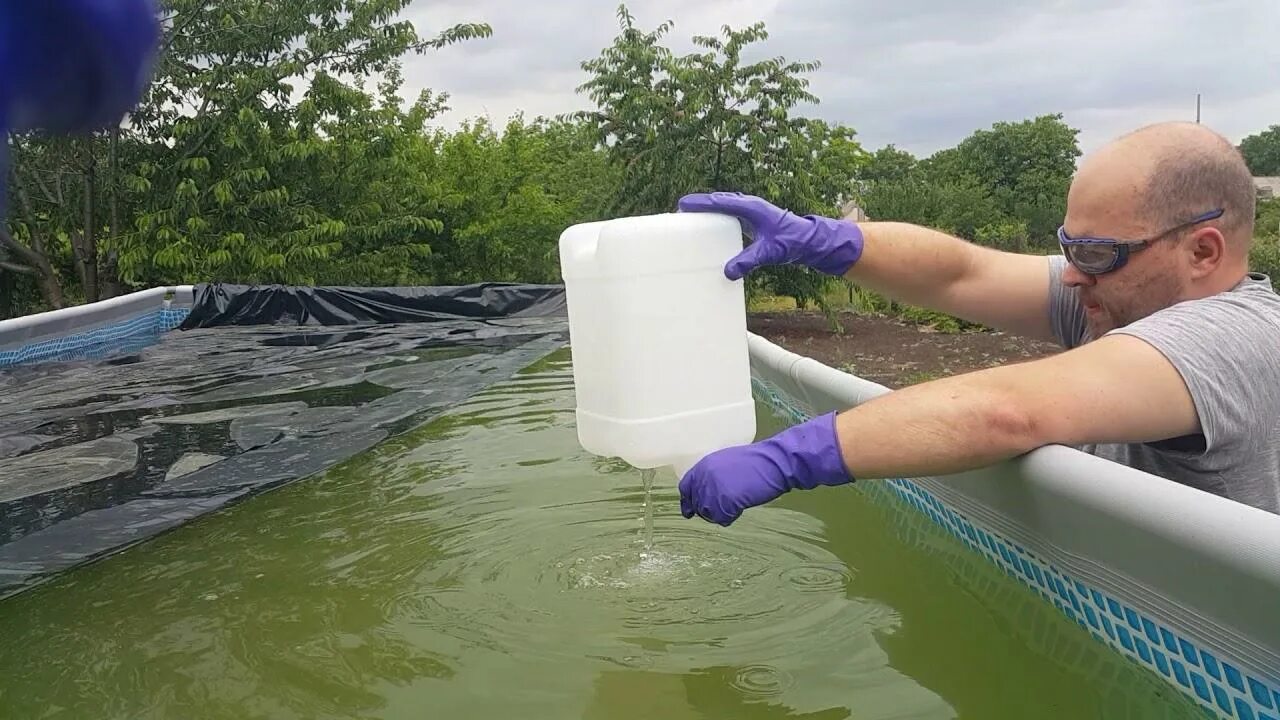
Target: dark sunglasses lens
1091 258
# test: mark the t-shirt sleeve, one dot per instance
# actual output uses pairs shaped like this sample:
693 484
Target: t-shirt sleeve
1227 350
1066 314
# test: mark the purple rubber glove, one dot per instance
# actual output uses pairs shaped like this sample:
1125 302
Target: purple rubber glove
725 483
72 66
780 236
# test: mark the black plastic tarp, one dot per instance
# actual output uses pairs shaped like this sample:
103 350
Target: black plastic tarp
218 304
98 454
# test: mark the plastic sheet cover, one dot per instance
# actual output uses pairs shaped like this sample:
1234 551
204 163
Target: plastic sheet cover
218 304
97 455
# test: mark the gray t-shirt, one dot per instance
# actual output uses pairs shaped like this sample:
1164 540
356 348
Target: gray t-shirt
1227 349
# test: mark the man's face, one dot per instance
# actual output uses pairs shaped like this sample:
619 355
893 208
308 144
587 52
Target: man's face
1142 287
1151 280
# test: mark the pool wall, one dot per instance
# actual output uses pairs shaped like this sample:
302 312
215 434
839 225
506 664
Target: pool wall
94 329
1181 581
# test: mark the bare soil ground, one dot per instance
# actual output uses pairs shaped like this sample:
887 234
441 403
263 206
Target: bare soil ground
889 351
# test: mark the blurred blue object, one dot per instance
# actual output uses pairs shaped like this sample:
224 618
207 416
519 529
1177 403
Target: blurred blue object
72 66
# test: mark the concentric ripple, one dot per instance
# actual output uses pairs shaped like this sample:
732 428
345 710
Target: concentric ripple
548 562
575 579
762 680
818 578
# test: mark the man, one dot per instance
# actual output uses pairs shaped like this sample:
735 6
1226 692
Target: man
1172 361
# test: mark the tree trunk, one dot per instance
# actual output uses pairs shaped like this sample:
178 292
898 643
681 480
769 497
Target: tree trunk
35 260
715 181
33 257
109 274
86 251
49 288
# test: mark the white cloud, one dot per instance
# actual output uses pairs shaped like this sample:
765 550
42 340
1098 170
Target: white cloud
916 73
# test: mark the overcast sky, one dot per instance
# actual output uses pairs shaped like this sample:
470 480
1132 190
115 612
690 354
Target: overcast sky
920 74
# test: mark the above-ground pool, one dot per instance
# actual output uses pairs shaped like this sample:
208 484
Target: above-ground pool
452 552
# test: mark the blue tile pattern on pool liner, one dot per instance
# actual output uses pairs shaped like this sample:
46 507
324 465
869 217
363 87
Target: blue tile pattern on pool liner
127 335
1220 688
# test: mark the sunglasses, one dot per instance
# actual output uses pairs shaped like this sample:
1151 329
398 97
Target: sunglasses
1095 256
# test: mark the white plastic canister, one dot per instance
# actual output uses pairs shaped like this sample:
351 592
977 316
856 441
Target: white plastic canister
658 337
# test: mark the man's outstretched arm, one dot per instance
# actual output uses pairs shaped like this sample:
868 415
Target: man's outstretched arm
1115 389
923 267
908 263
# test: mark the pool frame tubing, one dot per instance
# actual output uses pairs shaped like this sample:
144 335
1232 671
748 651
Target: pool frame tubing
29 329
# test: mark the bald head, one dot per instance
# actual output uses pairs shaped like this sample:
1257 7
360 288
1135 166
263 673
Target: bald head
1179 170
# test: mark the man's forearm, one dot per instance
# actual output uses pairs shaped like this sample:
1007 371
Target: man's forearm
911 264
929 269
936 428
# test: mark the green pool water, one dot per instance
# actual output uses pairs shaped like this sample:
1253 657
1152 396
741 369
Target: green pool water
483 566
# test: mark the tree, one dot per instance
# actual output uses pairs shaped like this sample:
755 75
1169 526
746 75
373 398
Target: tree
710 121
1026 167
1267 219
888 164
1262 152
507 197
1264 255
960 207
1010 154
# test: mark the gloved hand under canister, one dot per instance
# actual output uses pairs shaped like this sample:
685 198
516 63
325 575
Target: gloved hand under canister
782 237
720 486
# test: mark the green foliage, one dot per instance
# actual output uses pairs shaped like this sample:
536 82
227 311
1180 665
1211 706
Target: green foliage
19 295
939 322
1262 152
1028 159
1267 218
1005 186
868 301
959 207
710 121
255 187
273 146
506 198
257 155
1264 255
888 165
1008 235
1026 167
